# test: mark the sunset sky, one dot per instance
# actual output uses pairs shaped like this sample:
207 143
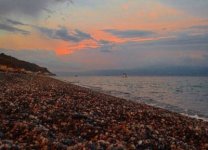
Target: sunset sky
84 35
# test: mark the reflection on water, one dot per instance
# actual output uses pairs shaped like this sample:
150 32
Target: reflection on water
187 95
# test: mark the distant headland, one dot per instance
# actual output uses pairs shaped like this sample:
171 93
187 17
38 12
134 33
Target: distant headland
11 64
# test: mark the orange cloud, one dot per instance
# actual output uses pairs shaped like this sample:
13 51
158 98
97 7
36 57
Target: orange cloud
125 6
69 48
149 16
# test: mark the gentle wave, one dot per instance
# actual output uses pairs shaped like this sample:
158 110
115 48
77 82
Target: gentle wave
185 95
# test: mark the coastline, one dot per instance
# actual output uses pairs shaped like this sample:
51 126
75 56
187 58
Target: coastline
179 110
43 112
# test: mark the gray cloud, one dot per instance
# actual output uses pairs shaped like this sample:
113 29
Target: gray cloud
26 7
183 39
14 22
29 7
12 29
103 42
82 35
49 10
106 46
199 27
63 34
130 33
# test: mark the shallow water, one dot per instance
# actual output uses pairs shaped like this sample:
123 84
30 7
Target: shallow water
187 95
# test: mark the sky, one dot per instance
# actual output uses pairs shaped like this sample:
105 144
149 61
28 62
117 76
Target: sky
89 35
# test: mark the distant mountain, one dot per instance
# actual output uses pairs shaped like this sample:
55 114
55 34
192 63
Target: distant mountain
11 64
148 71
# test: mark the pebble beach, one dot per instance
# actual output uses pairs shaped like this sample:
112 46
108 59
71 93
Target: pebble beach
39 112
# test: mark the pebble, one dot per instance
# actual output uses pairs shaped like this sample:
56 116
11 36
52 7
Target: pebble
1 135
140 142
44 113
68 142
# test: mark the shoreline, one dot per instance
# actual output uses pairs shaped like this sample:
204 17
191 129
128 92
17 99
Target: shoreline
50 113
195 116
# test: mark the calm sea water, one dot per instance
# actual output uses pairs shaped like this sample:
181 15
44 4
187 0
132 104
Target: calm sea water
186 95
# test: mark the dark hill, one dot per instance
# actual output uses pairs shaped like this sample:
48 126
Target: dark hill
10 63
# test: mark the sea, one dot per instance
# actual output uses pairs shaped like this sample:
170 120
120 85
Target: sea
184 95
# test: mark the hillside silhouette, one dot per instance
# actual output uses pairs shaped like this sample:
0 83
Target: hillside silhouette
11 64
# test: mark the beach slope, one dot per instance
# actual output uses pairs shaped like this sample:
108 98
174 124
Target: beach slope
38 112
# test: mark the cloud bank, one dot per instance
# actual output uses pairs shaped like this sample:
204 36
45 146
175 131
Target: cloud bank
12 29
26 7
63 34
130 33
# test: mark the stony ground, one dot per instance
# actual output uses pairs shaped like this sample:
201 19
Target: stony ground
44 113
